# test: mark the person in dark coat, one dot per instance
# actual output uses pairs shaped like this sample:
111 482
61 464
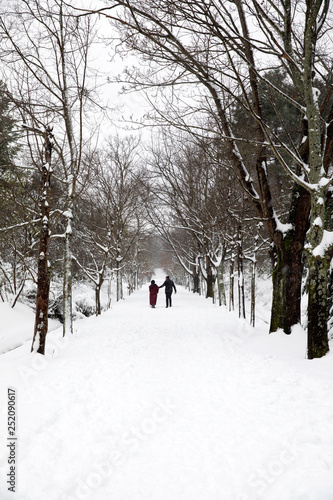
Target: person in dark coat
169 286
153 291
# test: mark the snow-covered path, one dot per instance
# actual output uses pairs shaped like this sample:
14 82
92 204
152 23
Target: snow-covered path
167 404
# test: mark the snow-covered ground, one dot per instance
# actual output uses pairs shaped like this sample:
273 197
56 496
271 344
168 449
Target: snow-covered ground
187 403
17 325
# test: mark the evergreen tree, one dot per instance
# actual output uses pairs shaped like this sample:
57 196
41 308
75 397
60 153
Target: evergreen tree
8 135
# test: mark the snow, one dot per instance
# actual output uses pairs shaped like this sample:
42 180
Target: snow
326 243
68 214
48 167
187 403
69 227
283 228
318 222
316 94
324 182
17 326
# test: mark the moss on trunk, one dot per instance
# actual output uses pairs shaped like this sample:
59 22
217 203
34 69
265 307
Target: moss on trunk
317 308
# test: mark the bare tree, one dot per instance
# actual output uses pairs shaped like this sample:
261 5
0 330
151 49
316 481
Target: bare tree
112 224
47 49
193 206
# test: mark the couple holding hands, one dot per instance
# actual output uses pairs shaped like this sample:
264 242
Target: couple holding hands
154 289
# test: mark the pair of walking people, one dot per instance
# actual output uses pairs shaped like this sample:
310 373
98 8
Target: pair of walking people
154 289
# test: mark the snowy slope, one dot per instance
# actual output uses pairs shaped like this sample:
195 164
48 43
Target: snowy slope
17 324
187 403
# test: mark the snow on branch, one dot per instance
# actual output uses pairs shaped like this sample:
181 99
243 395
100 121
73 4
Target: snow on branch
282 228
325 245
22 224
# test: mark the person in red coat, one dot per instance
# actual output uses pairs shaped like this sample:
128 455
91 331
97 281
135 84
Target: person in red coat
153 291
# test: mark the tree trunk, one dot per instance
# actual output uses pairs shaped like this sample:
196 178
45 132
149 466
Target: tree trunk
43 279
196 282
98 293
253 291
42 303
240 268
317 307
231 284
287 285
220 284
288 264
319 259
210 280
67 285
98 300
119 283
109 291
318 256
